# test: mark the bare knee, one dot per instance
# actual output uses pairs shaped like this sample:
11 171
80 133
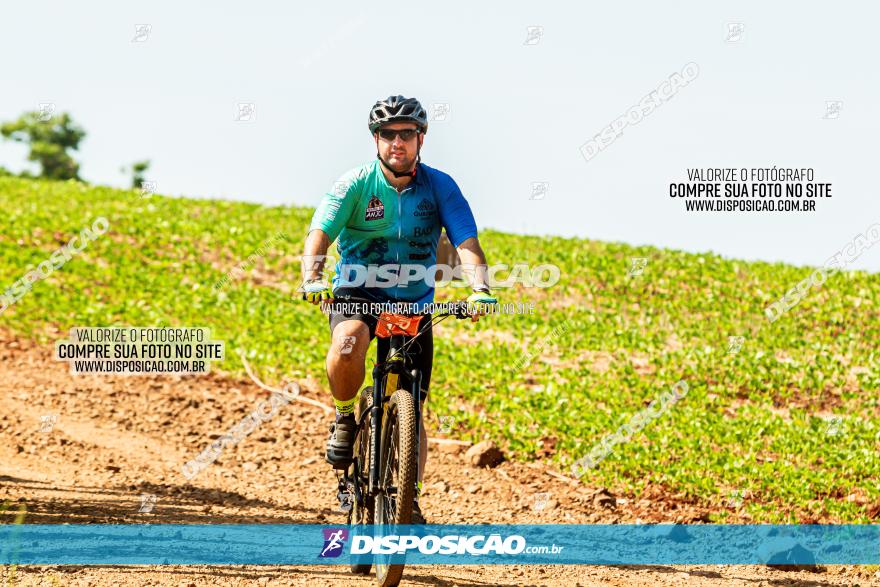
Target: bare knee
349 343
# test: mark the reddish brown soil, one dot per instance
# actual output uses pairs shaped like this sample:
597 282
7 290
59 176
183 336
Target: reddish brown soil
117 438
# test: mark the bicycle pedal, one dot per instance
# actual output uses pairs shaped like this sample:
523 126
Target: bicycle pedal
345 497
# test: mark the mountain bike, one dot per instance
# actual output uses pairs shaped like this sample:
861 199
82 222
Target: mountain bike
379 485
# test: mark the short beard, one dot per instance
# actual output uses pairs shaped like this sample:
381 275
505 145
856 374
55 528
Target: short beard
401 168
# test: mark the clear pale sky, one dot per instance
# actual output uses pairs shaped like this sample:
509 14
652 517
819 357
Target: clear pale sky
518 112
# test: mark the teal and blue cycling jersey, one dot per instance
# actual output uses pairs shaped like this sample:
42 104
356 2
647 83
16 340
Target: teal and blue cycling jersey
378 226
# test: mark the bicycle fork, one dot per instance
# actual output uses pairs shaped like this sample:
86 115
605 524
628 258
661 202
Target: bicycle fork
416 378
375 426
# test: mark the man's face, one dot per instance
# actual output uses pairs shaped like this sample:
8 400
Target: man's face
399 154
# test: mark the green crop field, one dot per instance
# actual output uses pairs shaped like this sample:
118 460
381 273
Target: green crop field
790 420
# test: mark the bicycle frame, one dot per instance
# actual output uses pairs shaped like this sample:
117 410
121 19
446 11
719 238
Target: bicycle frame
365 495
387 376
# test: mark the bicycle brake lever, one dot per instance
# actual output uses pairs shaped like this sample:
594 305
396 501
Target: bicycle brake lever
461 312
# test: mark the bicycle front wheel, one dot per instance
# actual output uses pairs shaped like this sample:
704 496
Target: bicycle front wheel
398 470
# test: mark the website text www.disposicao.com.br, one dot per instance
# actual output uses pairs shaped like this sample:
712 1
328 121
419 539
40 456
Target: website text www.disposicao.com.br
432 544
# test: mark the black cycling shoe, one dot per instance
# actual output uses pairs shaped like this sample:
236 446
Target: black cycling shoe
339 445
417 517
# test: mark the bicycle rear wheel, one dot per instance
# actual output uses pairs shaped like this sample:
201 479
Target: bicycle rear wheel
397 474
359 471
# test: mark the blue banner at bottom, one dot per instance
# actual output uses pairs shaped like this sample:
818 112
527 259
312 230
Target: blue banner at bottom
288 544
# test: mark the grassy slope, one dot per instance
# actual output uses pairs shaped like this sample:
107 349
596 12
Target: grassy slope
749 422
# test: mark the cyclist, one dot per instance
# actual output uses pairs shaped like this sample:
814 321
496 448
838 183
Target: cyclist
386 213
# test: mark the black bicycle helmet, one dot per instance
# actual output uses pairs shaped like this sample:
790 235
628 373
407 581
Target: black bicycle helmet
398 109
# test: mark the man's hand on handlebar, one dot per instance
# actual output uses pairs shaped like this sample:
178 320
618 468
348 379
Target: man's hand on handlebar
315 291
479 303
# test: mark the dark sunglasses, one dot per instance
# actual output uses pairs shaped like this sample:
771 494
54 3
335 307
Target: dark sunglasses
405 134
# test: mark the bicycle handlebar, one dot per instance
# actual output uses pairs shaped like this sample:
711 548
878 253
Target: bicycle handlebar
459 311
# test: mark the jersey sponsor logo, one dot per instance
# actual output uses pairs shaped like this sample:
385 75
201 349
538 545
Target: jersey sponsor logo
426 231
375 209
425 208
419 256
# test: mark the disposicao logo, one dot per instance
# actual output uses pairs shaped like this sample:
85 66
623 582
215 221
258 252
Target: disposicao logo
334 542
471 545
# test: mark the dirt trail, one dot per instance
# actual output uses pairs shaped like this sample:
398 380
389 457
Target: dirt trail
118 438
